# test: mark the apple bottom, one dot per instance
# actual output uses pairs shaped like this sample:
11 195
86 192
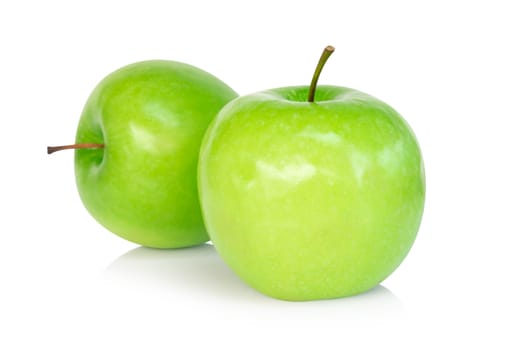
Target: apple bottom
314 254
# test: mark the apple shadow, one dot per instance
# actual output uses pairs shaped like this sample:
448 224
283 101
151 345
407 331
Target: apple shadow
199 271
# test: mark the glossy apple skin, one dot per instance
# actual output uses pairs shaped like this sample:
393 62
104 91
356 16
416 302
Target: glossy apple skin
151 116
307 200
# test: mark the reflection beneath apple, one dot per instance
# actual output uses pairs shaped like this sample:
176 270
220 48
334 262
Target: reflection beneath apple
199 272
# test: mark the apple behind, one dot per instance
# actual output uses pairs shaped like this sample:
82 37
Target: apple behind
151 117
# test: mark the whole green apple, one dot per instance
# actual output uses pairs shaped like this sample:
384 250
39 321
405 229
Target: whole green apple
137 148
311 200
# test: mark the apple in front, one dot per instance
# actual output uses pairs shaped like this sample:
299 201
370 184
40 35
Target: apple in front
150 118
311 200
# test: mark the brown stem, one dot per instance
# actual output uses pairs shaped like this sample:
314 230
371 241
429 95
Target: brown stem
52 149
323 58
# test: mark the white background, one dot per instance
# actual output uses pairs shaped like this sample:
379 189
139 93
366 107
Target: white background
66 283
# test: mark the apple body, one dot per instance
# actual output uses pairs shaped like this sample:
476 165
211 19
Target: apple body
314 200
151 116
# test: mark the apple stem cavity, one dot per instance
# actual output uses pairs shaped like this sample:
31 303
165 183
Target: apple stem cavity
323 58
52 149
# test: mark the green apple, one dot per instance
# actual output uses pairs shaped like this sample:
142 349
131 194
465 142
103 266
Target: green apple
137 148
311 200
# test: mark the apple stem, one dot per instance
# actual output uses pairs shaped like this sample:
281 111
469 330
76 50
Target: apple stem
52 149
323 58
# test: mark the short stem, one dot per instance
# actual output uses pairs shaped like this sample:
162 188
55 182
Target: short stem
323 58
52 149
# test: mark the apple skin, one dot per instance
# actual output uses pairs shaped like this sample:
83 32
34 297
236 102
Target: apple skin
310 201
151 116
